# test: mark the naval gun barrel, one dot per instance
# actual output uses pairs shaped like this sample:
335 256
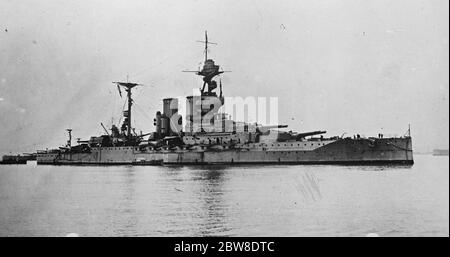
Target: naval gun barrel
264 129
143 135
272 126
306 134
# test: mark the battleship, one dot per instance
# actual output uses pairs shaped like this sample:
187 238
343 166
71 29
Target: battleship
210 136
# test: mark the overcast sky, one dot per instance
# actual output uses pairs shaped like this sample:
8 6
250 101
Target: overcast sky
353 66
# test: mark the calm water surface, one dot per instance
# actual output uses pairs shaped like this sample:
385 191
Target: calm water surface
319 200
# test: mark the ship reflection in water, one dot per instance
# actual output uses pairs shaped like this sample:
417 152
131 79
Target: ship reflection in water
244 200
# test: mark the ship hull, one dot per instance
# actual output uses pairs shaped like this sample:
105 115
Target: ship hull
342 151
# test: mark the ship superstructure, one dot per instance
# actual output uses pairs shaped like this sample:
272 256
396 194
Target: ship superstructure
210 136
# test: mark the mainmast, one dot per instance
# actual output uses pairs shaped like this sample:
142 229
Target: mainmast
127 114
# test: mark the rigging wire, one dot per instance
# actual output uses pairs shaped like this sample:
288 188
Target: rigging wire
143 112
174 53
113 109
120 115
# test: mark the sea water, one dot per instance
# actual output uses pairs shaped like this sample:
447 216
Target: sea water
248 200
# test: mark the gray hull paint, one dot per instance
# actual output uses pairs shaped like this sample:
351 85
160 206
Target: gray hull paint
342 151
